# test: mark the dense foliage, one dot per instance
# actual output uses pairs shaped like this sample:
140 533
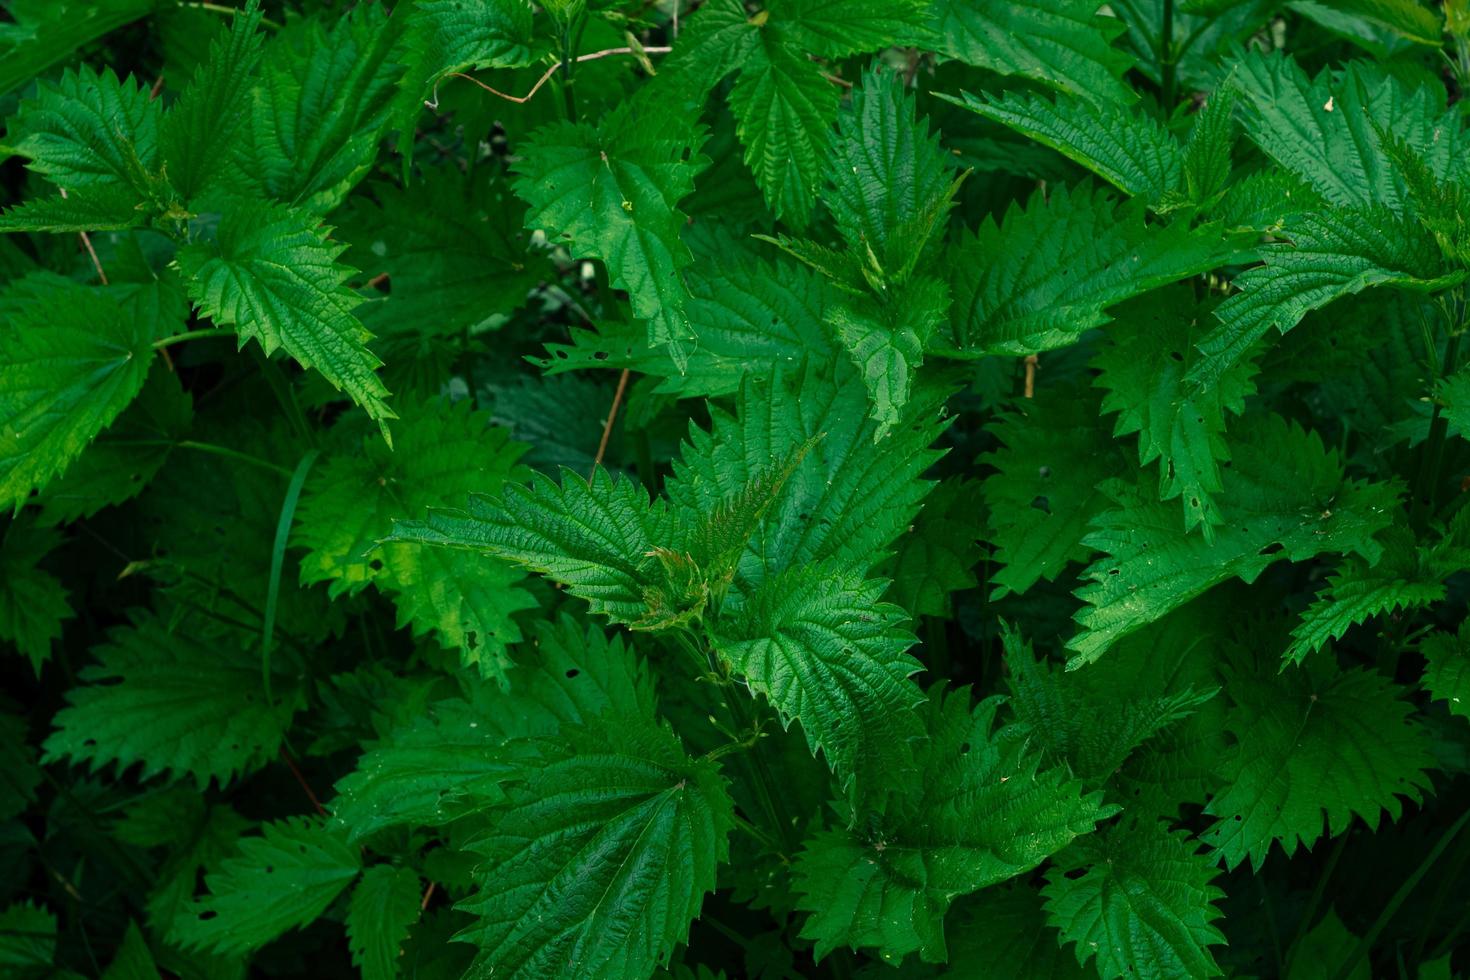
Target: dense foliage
830 488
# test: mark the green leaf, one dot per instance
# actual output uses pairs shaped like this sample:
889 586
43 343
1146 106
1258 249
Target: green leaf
19 774
42 35
271 273
1207 155
1139 897
1454 395
817 642
748 309
119 464
1315 747
981 812
848 499
200 136
938 555
1331 254
1326 130
601 858
91 132
1447 668
322 101
1091 721
1358 592
1276 512
445 36
441 453
107 208
784 110
281 880
383 907
1049 271
180 701
595 537
32 602
134 961
199 837
1323 952
1001 933
1054 455
451 761
27 939
1123 145
1062 44
70 360
1145 368
839 28
886 341
454 251
611 192
888 182
716 40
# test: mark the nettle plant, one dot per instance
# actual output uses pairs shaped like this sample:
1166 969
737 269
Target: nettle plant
815 489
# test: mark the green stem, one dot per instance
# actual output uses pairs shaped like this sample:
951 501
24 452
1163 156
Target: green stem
187 335
1426 488
1360 950
278 559
742 721
1166 58
204 447
1450 878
